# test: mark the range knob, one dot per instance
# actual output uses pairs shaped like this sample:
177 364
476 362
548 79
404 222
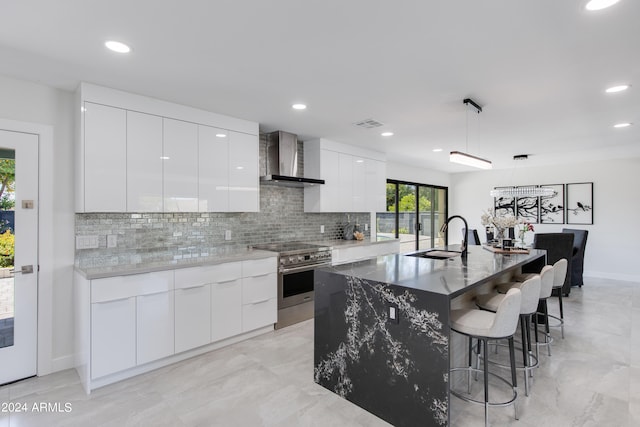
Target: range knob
292 259
300 258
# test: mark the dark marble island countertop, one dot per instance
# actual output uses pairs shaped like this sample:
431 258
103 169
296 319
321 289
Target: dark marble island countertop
451 277
382 338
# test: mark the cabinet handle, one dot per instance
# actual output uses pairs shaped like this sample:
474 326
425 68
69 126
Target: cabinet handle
261 301
112 300
261 275
226 281
193 287
153 293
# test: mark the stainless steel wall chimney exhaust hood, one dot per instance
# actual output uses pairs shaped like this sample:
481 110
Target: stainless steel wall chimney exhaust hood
282 161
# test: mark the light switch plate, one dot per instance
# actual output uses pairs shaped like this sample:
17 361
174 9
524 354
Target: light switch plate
227 235
322 229
112 240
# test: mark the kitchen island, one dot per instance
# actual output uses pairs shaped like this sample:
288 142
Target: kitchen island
382 336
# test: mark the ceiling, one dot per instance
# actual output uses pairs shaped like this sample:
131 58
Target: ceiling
538 68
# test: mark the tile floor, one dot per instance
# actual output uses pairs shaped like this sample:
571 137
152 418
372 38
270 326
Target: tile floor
591 379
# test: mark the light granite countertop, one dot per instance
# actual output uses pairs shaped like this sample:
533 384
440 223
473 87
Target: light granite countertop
236 254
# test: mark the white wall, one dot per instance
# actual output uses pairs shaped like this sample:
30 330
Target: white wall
30 102
612 245
403 172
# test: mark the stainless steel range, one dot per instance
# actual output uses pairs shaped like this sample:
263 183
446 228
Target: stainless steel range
296 263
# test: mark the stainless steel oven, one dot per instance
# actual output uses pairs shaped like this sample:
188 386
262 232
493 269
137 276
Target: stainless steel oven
297 262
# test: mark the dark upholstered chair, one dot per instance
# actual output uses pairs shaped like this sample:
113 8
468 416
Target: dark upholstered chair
577 263
472 237
558 246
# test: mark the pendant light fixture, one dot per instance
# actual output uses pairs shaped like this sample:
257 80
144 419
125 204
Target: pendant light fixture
522 191
465 158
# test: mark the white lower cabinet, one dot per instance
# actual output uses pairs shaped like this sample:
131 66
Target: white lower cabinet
193 317
113 336
141 318
226 309
155 326
359 252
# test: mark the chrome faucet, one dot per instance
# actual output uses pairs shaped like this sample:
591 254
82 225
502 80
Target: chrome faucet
445 227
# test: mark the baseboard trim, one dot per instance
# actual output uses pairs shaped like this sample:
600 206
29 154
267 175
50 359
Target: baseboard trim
62 363
612 276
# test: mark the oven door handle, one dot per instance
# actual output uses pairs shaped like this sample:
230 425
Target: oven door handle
303 268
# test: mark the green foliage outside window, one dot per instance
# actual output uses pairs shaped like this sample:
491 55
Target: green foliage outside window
7 246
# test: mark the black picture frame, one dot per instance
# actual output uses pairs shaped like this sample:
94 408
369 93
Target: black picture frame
579 203
552 209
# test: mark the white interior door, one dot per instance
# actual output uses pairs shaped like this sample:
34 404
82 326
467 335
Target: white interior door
18 276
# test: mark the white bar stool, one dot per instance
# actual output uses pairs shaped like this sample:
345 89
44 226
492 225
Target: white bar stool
483 326
559 276
530 295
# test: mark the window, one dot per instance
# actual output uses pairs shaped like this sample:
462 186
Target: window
415 213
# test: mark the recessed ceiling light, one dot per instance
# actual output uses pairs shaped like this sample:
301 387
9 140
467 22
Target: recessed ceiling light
621 125
437 150
614 89
387 134
600 4
117 46
239 167
299 107
221 135
164 158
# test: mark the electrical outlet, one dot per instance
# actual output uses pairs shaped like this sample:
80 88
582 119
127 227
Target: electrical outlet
394 314
227 235
322 229
112 240
366 227
87 242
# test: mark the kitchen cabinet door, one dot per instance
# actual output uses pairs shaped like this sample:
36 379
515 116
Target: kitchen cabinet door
113 336
345 193
226 309
376 188
360 184
105 158
213 169
180 172
155 326
193 317
144 162
243 173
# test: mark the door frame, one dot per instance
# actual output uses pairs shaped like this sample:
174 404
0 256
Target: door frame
45 238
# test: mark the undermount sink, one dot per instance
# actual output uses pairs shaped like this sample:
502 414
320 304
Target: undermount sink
435 254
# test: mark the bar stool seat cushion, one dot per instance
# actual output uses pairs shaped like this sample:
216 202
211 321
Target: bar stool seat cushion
482 323
530 294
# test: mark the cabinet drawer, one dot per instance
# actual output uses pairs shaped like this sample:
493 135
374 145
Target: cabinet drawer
118 287
259 288
257 267
259 314
195 276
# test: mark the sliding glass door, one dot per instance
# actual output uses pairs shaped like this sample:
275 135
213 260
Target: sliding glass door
415 213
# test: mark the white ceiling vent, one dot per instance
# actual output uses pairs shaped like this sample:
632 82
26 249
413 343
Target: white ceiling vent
368 124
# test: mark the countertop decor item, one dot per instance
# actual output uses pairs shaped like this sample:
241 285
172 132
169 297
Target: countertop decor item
499 222
523 231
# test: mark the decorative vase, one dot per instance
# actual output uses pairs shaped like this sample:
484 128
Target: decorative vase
521 235
500 234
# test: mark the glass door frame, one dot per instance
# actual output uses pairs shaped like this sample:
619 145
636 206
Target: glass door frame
418 225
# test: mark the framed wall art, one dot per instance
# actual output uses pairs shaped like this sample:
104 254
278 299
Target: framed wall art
579 206
504 205
552 208
527 209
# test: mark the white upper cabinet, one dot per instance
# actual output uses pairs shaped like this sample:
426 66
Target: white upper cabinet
138 154
180 172
213 169
243 173
144 162
105 159
355 178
